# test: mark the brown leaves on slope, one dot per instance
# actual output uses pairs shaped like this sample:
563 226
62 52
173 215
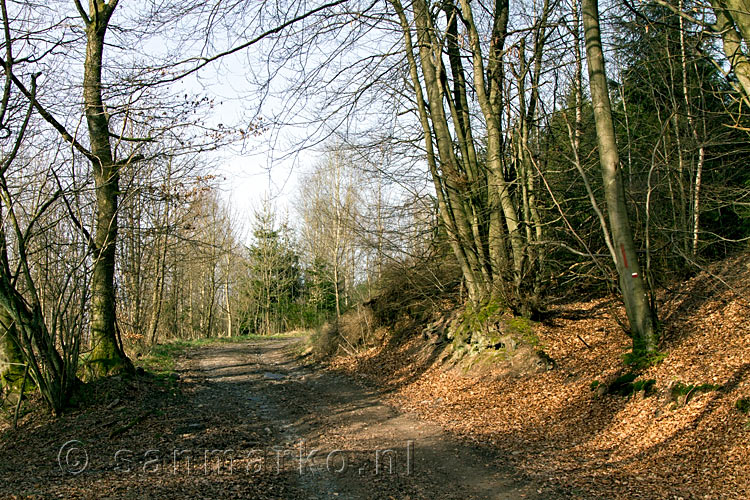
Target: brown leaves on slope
553 426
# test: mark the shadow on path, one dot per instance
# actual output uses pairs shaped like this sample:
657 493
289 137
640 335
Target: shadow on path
334 438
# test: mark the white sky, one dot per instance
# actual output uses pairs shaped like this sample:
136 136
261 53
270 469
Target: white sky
253 172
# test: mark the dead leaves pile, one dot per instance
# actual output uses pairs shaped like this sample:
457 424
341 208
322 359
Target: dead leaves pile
554 427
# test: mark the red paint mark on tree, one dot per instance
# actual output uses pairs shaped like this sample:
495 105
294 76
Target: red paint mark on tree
624 257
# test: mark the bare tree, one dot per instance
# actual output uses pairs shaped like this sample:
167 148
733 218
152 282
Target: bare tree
328 207
31 328
632 287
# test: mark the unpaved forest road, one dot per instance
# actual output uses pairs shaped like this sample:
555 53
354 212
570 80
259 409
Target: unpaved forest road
244 421
302 410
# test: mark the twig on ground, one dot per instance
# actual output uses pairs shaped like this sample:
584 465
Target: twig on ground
137 420
584 342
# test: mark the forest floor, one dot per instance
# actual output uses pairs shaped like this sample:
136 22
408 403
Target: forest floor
687 436
255 418
248 420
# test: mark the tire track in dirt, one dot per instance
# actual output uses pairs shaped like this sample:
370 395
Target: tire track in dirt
328 437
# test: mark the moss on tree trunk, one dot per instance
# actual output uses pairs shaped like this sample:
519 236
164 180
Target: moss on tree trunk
107 356
11 357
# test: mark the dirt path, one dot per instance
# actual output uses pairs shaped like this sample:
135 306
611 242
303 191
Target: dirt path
335 438
247 420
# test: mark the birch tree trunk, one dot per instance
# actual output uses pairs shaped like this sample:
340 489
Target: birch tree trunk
226 293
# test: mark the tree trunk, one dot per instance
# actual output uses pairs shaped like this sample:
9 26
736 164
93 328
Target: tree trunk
696 188
226 295
11 357
160 266
107 356
489 85
632 286
733 22
425 116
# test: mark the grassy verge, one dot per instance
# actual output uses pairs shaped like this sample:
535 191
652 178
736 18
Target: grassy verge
156 368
